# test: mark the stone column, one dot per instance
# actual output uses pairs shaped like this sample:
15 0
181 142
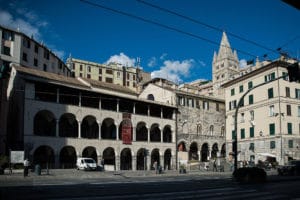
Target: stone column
133 163
148 111
161 135
99 124
162 161
117 132
57 95
118 101
133 134
148 134
161 113
134 108
57 128
79 129
79 99
56 161
148 162
117 166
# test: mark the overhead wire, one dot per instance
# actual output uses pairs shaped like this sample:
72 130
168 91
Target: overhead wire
160 25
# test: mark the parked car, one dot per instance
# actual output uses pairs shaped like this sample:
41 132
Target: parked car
86 164
291 169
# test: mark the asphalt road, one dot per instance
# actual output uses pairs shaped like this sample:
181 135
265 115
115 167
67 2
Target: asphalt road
187 187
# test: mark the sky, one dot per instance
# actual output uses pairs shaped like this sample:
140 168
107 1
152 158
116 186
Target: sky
167 45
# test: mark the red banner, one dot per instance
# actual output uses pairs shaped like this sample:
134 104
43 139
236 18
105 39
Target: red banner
126 129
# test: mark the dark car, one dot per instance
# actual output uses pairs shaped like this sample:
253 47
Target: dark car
291 169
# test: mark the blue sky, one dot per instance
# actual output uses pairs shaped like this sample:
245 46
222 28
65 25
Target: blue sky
95 34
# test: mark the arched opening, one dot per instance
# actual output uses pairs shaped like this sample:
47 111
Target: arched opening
181 147
141 132
109 159
214 151
140 159
167 134
68 126
108 129
126 159
44 123
193 153
150 97
204 152
155 158
89 128
211 130
67 157
199 129
90 152
44 156
167 159
223 151
155 133
125 124
222 131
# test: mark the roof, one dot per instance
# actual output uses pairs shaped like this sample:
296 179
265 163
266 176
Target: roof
277 63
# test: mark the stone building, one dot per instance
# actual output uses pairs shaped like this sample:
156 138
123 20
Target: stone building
200 121
57 119
268 121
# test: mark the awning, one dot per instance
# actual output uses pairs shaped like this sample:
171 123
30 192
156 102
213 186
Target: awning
267 155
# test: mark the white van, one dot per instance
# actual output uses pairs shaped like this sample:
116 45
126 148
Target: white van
86 164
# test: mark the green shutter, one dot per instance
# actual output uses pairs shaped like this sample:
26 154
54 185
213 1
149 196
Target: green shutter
251 132
290 129
270 93
241 88
250 85
251 99
242 133
232 92
272 129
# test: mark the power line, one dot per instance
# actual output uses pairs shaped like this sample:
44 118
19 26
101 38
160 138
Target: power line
204 24
159 24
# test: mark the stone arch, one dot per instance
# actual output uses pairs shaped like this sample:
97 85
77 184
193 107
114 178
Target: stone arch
214 150
108 129
44 156
68 125
140 159
167 134
150 97
90 152
167 159
109 158
155 133
193 152
67 157
223 150
126 159
44 123
204 152
181 146
89 127
141 132
155 157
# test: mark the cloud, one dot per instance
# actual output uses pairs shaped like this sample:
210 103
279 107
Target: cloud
174 70
121 59
202 63
152 62
243 63
163 56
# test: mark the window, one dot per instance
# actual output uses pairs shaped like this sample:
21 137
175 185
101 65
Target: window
88 76
133 84
272 129
242 117
232 104
24 57
89 68
270 93
251 132
100 78
8 35
26 43
250 85
108 80
288 110
251 114
241 88
128 77
199 129
6 50
270 77
133 77
297 93
100 71
250 99
298 111
205 105
198 104
80 67
291 144
45 67
128 84
271 111
80 74
35 62
181 101
211 130
232 91
251 146
36 48
286 78
287 92
242 133
222 131
272 144
290 128
109 71
46 54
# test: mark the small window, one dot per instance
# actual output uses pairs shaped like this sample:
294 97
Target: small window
6 50
88 76
297 93
45 67
36 48
291 143
109 71
250 99
252 114
250 85
272 145
251 132
232 92
35 62
271 111
272 129
270 93
290 128
150 97
288 110
242 133
241 88
24 57
287 92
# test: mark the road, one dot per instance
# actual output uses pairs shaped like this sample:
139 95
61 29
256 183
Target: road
212 188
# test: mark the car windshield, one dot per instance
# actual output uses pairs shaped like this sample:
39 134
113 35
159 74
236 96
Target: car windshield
89 161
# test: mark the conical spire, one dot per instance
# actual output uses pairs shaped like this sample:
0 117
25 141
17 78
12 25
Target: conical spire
225 49
215 56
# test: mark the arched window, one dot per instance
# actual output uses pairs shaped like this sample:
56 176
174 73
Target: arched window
199 129
211 130
150 97
222 131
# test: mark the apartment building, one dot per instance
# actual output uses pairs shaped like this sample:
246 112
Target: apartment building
268 122
127 76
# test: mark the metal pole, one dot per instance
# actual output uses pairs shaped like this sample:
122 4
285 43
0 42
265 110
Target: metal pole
234 140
